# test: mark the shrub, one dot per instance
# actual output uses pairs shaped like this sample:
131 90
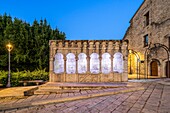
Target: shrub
23 75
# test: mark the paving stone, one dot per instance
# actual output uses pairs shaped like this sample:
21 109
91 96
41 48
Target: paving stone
80 109
57 96
70 104
32 109
148 111
11 111
20 100
117 111
112 107
164 110
51 96
117 102
105 111
131 100
153 102
23 110
128 104
91 104
50 106
150 107
122 108
144 101
64 95
70 94
67 110
137 105
77 94
134 110
100 107
44 111
92 110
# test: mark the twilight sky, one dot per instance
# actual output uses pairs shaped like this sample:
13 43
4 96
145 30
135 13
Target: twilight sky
79 19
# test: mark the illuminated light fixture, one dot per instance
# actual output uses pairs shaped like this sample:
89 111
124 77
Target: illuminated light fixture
9 48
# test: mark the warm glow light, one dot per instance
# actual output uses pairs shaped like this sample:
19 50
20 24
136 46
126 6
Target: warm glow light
9 47
130 51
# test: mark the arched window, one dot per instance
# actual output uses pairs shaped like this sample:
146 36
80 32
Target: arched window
94 63
118 62
70 63
106 63
59 63
82 63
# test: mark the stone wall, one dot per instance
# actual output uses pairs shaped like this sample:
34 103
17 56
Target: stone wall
88 47
158 30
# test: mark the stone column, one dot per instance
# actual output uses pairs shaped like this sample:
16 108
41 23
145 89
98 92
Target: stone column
66 48
51 60
103 49
110 47
97 47
77 78
65 59
117 46
85 51
85 48
91 48
110 51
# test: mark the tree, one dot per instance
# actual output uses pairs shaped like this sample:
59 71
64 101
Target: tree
31 49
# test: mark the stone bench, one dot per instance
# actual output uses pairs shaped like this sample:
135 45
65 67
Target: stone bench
31 81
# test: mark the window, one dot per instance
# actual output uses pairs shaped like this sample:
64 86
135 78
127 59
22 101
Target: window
146 19
146 40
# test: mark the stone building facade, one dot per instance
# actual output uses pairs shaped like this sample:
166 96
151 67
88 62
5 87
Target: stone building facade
88 61
149 37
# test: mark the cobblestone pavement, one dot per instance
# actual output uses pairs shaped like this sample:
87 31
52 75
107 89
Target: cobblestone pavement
155 98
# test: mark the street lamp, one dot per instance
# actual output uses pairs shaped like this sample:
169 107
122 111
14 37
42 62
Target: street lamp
9 48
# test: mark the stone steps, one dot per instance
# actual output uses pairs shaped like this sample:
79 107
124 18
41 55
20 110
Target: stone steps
57 91
49 88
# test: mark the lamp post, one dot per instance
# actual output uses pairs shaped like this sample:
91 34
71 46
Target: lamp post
9 48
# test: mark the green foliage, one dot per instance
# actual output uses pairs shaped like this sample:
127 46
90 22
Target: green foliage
23 75
31 43
3 77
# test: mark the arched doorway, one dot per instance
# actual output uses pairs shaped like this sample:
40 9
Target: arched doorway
154 68
168 76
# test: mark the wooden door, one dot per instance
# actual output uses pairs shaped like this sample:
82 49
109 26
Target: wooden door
154 68
167 69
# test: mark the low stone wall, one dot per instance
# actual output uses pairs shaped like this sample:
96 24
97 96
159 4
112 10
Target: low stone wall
90 78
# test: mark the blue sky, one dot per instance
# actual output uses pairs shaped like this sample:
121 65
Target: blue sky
79 19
